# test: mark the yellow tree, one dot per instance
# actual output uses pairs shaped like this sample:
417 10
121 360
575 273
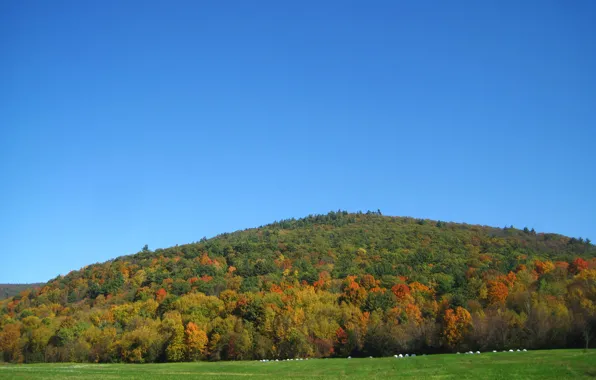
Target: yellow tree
196 340
141 345
10 343
457 323
172 330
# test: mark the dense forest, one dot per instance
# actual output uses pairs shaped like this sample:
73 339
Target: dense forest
326 285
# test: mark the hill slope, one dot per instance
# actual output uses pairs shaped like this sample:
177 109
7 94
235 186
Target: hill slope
326 285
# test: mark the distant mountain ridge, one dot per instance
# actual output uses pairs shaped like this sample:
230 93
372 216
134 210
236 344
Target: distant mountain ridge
11 290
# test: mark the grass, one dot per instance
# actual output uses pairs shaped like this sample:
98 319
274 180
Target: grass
554 364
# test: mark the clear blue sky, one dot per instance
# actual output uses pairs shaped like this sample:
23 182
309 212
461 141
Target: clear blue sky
124 123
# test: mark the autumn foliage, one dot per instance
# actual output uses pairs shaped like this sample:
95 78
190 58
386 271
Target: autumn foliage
401 291
578 265
456 324
323 286
497 292
196 341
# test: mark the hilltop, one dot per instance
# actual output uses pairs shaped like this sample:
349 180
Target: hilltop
326 285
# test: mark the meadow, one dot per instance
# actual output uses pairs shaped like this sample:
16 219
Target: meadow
549 364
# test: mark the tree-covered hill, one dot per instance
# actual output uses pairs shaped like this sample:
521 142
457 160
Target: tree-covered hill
326 285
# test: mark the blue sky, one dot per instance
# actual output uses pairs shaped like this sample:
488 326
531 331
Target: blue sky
145 122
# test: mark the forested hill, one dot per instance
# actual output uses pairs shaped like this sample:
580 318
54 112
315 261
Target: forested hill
327 285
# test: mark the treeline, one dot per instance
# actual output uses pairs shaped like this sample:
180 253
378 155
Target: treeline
327 285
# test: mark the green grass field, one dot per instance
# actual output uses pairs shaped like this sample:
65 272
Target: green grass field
555 364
